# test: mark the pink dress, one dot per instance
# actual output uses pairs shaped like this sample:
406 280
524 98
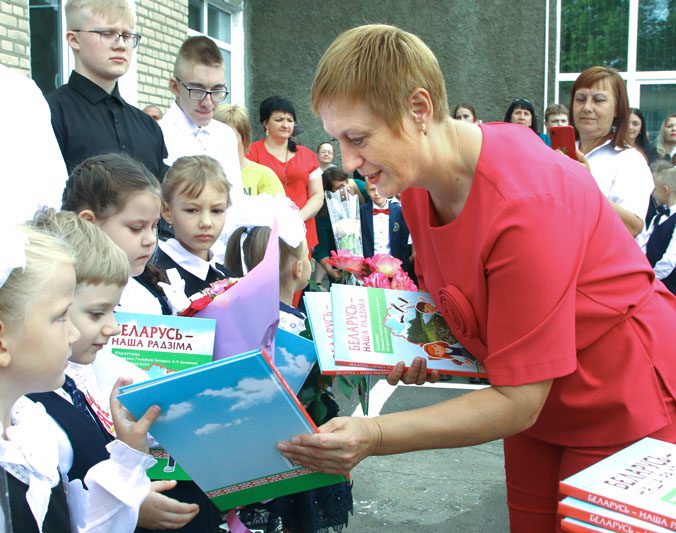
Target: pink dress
540 280
295 176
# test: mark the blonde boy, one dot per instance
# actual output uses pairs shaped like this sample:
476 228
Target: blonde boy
89 116
101 272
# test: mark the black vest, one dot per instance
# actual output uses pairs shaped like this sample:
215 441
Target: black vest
57 519
193 284
658 243
87 436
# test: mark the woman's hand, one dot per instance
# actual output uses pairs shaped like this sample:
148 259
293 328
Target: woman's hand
134 434
332 272
416 374
162 512
581 159
341 445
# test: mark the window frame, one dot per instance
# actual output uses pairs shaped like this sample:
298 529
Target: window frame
235 47
633 77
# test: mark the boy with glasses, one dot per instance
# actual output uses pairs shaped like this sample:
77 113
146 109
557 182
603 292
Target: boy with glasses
89 116
188 126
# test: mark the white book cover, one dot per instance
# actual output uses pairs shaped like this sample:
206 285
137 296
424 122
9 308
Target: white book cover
602 517
638 481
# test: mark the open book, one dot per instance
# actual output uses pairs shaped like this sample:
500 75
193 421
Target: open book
222 421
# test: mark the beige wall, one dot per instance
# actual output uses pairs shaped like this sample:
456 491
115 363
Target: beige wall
14 34
163 25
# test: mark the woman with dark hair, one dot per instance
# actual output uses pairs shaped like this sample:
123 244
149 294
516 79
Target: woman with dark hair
465 112
296 166
528 264
637 136
521 111
599 111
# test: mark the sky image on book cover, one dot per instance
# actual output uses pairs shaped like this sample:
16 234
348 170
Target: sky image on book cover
222 421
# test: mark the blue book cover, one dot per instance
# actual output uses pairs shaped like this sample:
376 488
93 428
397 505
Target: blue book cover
380 327
318 308
222 422
294 358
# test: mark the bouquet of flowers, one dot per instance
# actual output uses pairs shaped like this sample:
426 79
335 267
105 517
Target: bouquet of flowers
381 270
343 207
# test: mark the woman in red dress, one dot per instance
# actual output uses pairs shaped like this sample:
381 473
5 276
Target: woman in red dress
530 266
296 166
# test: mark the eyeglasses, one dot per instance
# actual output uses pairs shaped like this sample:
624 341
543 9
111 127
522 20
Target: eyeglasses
111 38
197 93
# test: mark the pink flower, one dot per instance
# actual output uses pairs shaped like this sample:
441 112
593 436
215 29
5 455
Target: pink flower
345 260
385 264
402 282
377 279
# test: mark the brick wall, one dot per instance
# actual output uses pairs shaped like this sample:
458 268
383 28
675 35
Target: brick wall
14 34
163 24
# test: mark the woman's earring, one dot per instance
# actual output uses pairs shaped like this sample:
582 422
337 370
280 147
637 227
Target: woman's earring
423 128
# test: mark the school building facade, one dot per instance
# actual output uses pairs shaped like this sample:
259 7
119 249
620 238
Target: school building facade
490 52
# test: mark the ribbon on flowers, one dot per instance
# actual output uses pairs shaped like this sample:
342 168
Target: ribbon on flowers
13 244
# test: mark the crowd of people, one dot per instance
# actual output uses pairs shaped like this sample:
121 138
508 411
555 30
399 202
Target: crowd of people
554 283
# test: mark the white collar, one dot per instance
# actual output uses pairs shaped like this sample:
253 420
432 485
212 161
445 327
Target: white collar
31 456
193 264
183 123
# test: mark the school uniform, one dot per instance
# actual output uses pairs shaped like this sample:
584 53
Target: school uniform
197 273
384 231
35 455
658 244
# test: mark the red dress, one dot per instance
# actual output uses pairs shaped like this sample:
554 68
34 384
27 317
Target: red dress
540 280
297 171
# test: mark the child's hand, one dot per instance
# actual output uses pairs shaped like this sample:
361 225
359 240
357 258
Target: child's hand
134 434
162 512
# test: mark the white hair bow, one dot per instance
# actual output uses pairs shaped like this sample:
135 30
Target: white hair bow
13 245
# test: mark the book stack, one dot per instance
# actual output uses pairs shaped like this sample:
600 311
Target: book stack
366 330
632 491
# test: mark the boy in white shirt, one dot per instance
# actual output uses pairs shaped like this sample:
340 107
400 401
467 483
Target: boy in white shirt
198 83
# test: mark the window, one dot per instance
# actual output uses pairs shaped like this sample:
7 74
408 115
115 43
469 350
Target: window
222 22
633 36
46 44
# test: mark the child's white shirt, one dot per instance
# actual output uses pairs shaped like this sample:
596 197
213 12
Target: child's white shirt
137 299
39 454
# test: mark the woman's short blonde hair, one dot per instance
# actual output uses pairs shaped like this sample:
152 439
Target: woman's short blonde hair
236 117
112 10
98 260
190 174
379 65
45 255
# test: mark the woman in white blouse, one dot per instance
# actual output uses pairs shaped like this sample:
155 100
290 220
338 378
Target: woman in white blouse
599 111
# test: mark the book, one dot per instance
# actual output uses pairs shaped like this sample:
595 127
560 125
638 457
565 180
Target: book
294 358
638 481
577 526
318 308
605 518
380 327
222 422
161 344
